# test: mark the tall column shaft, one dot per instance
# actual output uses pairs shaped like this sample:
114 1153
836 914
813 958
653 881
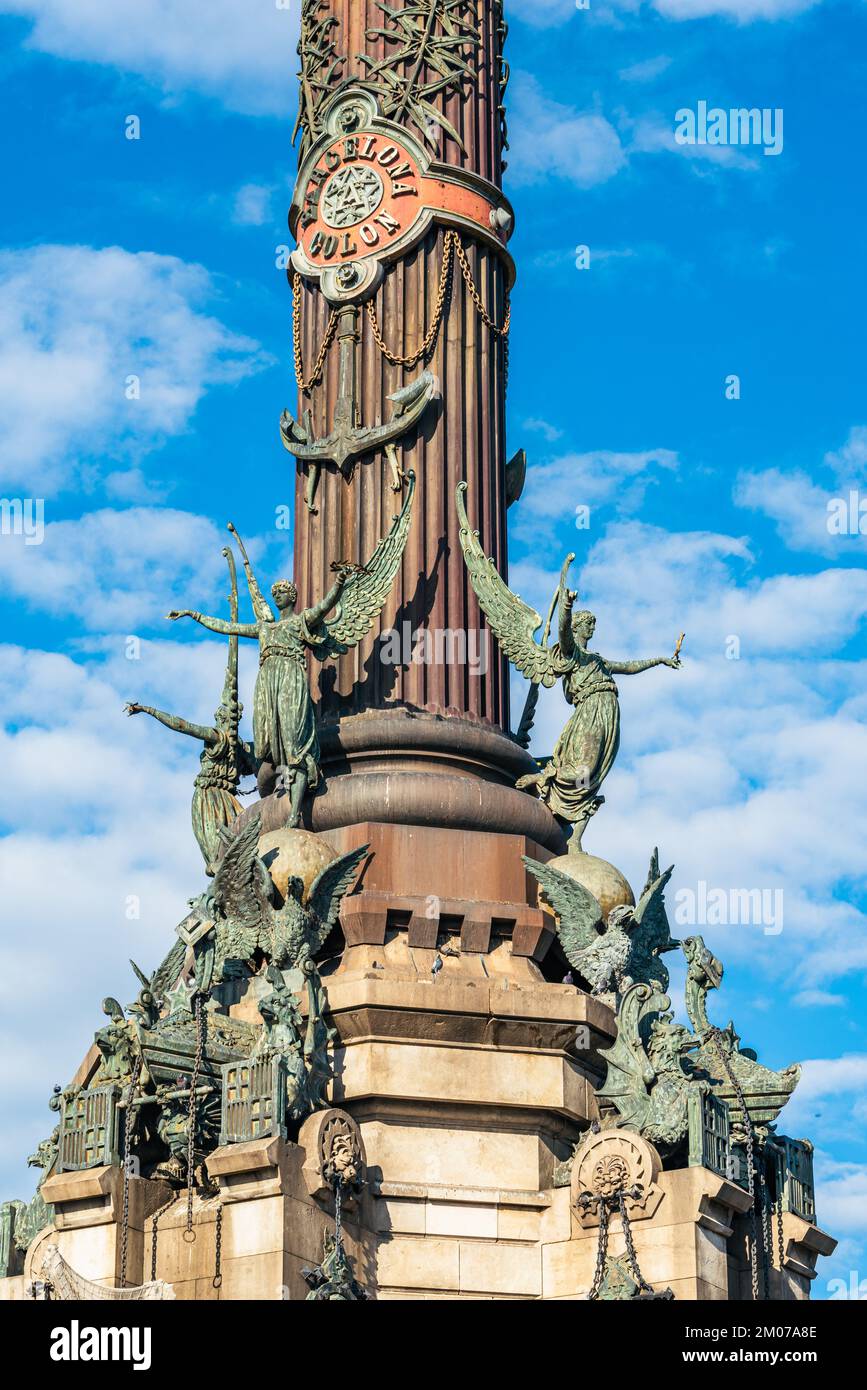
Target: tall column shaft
462 436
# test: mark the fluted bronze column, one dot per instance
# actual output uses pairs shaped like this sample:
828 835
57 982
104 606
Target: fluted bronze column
432 73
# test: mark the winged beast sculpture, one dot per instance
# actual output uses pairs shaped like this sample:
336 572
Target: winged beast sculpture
242 916
587 749
624 948
284 722
650 1074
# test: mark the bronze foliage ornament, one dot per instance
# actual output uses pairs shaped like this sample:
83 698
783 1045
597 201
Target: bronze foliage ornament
434 42
320 67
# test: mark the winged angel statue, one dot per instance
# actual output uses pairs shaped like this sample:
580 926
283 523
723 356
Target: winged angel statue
588 746
617 953
284 722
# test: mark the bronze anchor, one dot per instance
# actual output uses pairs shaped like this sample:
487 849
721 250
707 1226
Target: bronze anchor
349 441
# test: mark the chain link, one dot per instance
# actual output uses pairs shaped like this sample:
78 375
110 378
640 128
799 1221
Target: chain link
129 1121
630 1244
330 329
449 245
191 1135
476 297
715 1036
601 1252
157 1214
217 1281
452 248
781 1240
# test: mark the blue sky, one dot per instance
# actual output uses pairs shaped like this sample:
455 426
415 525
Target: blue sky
156 258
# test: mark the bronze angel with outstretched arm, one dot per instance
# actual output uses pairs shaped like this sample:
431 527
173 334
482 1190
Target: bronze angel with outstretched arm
570 782
284 722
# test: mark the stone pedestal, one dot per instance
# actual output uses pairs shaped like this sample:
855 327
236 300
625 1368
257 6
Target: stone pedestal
87 1226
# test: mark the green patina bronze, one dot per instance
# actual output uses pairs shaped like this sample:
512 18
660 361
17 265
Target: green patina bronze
321 67
225 758
657 1067
242 916
333 1281
719 1051
624 949
284 723
649 1073
571 781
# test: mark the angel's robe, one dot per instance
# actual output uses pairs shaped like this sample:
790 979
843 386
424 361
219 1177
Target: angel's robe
589 744
284 721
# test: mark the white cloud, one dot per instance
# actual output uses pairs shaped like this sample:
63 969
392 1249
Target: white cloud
550 140
241 53
550 433
654 134
94 810
75 325
252 205
598 478
818 999
804 508
647 70
117 571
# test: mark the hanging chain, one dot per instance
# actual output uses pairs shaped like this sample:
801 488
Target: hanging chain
630 1244
452 248
217 1281
781 1240
129 1121
157 1214
451 243
330 329
190 1234
715 1037
476 297
601 1252
767 1237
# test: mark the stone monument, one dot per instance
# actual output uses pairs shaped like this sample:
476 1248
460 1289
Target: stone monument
410 1041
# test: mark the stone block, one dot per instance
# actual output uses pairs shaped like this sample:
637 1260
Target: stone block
461 1219
519 1223
406 1262
494 1268
253 1228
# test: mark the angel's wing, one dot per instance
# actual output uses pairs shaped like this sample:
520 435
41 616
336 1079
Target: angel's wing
513 622
328 890
578 910
650 915
367 591
242 886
